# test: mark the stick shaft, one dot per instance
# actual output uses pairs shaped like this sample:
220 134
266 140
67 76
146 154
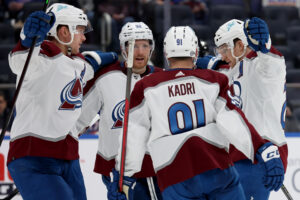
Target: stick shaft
286 193
126 112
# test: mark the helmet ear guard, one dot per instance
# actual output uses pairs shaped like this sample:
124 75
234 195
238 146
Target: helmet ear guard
135 31
181 41
69 16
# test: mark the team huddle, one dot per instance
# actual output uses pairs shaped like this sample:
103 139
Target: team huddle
207 127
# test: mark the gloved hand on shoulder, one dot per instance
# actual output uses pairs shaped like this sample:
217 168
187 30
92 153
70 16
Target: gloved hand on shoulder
37 25
99 59
207 62
257 33
268 156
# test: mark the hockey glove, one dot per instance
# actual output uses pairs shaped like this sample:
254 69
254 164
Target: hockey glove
129 184
257 33
207 62
113 190
99 59
268 155
37 25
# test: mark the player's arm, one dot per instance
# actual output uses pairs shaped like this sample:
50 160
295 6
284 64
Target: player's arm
98 59
271 62
91 105
245 138
37 25
213 63
233 123
137 136
138 132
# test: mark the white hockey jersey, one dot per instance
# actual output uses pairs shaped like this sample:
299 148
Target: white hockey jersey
167 110
258 88
105 94
49 102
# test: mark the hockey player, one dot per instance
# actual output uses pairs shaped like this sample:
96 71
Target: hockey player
105 93
187 120
257 73
43 155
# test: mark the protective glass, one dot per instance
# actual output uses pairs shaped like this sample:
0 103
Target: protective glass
83 29
221 50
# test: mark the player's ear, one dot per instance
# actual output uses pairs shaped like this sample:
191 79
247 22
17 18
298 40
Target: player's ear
64 34
240 45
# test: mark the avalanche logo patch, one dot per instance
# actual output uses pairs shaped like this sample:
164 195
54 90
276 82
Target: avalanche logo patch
118 114
236 98
71 95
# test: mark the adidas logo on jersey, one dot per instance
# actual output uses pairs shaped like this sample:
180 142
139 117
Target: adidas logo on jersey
180 73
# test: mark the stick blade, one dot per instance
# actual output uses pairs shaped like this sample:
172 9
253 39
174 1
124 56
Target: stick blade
130 53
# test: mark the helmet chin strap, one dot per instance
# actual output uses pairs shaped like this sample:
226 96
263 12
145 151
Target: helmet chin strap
237 58
69 48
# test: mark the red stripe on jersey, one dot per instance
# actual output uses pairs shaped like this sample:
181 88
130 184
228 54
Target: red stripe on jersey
283 150
257 141
195 157
273 50
66 149
251 55
164 76
147 169
78 55
19 47
104 167
115 66
222 66
236 155
49 49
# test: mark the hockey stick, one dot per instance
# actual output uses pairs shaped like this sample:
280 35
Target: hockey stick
286 193
20 82
126 112
11 194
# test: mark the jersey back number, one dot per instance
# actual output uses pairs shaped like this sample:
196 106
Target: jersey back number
185 122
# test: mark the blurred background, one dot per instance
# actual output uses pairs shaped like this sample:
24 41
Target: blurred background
204 16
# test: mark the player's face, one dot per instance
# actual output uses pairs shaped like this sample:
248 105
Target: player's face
79 38
141 55
226 53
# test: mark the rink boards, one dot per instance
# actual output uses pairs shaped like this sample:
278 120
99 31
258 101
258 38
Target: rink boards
96 190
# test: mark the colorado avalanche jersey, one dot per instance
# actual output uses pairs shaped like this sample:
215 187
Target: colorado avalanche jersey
259 90
105 94
49 102
167 111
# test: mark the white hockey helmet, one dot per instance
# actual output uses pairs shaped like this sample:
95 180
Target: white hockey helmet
70 16
181 41
229 31
135 31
